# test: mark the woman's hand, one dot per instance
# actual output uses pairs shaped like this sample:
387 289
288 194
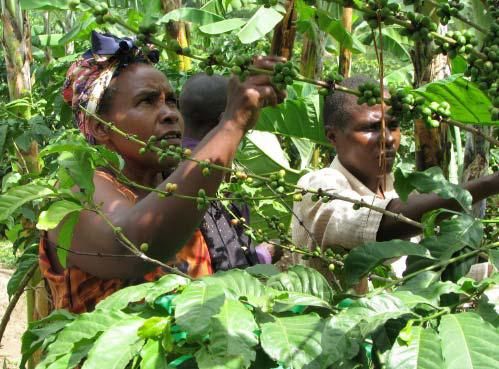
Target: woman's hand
244 100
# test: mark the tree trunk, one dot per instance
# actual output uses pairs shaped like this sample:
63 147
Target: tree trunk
311 56
284 34
178 31
476 163
17 51
345 60
46 25
432 144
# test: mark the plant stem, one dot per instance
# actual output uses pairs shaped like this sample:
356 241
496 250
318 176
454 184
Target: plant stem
461 18
476 132
15 298
438 265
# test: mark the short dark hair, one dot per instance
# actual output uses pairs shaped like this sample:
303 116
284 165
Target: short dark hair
202 101
339 105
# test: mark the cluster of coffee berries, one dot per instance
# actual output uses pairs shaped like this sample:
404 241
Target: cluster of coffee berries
382 11
465 43
100 11
277 181
420 28
205 167
170 187
405 105
268 3
201 200
484 67
436 113
284 74
370 94
240 67
331 78
448 9
148 28
276 223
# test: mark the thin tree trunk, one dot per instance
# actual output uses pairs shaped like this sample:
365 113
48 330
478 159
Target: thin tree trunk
432 144
345 61
476 163
311 56
46 26
178 31
285 32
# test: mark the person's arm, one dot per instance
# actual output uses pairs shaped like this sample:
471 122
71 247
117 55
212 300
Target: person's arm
167 224
419 204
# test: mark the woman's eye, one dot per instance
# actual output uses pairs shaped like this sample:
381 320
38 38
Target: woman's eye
147 100
171 101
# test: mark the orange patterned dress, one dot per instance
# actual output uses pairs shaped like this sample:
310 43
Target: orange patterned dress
79 292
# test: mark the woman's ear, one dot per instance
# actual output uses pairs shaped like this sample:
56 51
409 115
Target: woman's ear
99 131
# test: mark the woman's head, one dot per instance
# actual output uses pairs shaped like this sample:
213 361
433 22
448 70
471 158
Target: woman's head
106 81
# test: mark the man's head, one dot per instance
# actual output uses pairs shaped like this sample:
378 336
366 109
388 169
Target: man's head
202 102
355 132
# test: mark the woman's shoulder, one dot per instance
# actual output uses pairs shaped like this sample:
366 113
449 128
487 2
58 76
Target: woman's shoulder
107 185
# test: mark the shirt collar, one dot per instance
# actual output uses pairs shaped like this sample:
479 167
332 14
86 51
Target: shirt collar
358 186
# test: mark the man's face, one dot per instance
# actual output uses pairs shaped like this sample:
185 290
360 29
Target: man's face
358 144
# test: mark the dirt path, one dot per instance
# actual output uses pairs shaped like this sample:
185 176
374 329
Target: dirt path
10 349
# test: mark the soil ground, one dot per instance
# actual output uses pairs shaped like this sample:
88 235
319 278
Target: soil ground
10 349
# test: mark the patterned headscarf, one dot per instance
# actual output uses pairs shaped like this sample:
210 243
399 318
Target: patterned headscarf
88 77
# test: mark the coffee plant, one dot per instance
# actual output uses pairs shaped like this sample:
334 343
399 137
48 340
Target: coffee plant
434 316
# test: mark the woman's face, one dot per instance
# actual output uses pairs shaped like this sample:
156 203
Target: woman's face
143 104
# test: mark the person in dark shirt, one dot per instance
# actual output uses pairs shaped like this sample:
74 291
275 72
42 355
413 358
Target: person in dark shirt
202 103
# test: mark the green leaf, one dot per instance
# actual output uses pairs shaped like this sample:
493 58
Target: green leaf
81 30
224 26
431 180
16 197
341 336
364 258
488 310
468 103
494 257
239 284
153 356
80 167
294 341
468 342
120 299
196 16
44 4
154 327
262 270
4 128
116 346
42 331
423 351
375 311
195 305
207 361
65 237
428 286
302 280
300 118
165 284
25 262
61 353
57 211
261 23
233 332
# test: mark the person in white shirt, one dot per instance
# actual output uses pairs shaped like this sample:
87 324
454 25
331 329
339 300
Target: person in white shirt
355 132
